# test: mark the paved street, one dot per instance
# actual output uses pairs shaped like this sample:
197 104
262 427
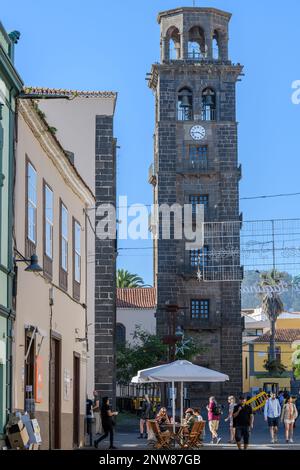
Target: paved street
127 438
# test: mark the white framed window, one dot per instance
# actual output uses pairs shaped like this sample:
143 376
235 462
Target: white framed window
31 202
77 252
48 220
64 237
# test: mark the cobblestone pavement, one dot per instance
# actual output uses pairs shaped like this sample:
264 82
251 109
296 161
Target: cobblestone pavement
126 437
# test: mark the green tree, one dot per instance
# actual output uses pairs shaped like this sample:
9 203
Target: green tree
274 367
296 362
272 305
147 350
127 279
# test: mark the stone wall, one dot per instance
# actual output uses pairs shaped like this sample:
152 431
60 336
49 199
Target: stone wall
105 262
220 336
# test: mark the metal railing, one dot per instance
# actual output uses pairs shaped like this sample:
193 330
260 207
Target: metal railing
209 114
195 55
185 114
194 165
212 272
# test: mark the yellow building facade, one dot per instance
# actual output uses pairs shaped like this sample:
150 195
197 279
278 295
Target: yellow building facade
255 353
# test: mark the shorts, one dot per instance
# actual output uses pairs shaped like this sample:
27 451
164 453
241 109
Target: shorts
273 422
289 421
213 425
242 432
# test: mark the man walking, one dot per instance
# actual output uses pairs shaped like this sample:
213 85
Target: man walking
242 422
272 412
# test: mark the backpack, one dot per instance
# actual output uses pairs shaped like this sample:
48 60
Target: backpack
216 410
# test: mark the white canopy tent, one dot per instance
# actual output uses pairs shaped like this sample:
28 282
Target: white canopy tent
178 371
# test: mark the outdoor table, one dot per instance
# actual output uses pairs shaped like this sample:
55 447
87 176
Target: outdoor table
179 428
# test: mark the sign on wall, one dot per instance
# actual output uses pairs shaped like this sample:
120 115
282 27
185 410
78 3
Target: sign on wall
38 383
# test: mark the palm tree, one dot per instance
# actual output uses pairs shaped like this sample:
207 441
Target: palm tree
127 279
272 305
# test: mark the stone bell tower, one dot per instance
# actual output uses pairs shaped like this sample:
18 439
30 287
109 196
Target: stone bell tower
195 162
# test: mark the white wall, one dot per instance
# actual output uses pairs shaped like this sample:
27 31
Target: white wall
75 121
132 317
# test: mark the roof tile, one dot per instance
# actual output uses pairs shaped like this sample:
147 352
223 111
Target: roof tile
139 298
70 93
284 335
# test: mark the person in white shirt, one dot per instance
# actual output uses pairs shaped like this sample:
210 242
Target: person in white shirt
272 412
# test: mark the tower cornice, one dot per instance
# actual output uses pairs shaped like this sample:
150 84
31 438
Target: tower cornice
180 10
206 67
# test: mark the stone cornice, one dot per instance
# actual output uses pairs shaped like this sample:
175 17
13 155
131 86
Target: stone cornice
55 152
207 67
177 11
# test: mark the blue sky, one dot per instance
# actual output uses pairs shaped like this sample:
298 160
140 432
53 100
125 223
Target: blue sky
102 45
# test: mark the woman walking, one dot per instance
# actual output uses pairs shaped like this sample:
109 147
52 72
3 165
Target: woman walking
231 405
214 415
107 423
288 415
146 414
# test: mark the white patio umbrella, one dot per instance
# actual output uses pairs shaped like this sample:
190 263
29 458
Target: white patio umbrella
179 371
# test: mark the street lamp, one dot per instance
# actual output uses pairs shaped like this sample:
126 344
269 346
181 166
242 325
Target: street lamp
179 333
33 264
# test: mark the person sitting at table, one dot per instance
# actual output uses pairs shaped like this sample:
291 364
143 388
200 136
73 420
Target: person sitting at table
199 418
162 419
197 414
190 419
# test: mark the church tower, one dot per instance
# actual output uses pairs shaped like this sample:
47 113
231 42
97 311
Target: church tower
195 162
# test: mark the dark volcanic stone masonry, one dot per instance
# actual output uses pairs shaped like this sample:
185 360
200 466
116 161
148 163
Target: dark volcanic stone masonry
105 263
176 180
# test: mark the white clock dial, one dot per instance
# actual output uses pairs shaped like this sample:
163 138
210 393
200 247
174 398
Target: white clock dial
197 132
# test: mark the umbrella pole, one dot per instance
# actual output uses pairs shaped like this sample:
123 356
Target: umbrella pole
181 403
173 404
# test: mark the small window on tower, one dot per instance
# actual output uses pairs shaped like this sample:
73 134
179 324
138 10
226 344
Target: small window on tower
185 105
199 199
215 46
173 36
196 44
199 258
208 105
200 309
198 156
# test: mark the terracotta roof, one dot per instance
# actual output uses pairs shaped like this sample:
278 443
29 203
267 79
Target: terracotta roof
140 297
284 335
71 93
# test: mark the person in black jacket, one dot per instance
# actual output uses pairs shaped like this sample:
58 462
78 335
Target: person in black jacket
146 414
242 422
107 423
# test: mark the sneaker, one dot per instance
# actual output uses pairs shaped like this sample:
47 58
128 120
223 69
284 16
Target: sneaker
291 441
140 436
287 441
272 441
219 439
212 441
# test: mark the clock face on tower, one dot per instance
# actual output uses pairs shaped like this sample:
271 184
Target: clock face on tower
197 132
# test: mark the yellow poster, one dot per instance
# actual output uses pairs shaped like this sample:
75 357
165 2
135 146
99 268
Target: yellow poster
258 401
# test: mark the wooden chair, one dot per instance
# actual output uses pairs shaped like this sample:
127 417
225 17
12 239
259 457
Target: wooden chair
163 439
193 440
